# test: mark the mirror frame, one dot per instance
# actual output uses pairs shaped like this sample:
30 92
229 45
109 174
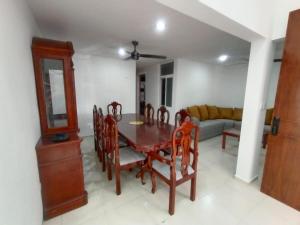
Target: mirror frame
49 49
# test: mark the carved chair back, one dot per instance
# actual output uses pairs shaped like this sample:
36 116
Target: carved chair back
94 120
114 109
95 115
163 115
149 112
181 116
181 147
99 128
111 145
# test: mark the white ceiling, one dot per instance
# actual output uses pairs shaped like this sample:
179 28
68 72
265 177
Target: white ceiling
100 27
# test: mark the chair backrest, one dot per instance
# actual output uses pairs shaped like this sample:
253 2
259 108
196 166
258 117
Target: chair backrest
99 128
149 111
114 108
181 116
110 130
181 147
161 117
94 119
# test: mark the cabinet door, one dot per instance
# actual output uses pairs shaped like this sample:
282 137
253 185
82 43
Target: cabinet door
55 86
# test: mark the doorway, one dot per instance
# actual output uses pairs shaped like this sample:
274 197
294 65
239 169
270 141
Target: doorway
142 93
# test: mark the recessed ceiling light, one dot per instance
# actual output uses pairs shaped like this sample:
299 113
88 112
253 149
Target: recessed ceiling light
222 58
122 52
160 25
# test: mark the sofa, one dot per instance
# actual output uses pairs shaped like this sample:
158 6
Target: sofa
212 120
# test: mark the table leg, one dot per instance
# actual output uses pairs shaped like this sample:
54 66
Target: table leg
146 167
223 142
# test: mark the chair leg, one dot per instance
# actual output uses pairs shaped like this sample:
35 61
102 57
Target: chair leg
103 160
172 198
99 153
153 179
193 189
109 172
118 181
95 144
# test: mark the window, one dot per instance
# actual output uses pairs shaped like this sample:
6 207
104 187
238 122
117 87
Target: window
166 73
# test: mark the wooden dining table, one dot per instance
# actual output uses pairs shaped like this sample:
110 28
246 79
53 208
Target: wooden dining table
148 136
145 135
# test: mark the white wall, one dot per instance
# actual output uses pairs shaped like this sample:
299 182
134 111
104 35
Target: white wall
200 83
20 196
99 81
272 85
152 84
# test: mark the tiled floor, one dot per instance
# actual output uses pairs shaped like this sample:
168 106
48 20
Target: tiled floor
221 199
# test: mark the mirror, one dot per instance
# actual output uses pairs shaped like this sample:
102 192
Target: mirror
54 92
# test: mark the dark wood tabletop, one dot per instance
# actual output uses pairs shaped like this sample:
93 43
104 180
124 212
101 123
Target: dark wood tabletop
149 136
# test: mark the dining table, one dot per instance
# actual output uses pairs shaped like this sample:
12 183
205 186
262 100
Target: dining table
145 135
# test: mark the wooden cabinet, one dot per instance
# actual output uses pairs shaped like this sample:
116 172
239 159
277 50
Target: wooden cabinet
61 175
60 163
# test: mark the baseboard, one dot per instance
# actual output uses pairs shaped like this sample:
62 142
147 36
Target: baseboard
246 181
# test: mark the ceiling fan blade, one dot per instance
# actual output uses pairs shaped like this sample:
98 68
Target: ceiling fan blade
127 58
153 56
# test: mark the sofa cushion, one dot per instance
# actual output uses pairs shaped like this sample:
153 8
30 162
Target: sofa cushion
237 114
194 111
213 112
225 113
203 112
237 124
269 114
210 128
227 123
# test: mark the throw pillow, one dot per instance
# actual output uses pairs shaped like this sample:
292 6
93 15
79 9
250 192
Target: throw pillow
203 112
237 114
226 113
213 112
194 111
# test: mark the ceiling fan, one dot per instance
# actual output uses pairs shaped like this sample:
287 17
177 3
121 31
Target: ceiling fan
135 55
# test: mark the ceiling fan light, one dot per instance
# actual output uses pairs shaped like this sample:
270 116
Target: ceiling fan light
223 58
121 52
160 25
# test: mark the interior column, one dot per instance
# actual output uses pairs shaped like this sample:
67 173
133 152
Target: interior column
260 62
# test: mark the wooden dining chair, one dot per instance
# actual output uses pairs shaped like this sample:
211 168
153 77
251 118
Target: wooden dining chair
120 158
178 167
149 112
95 127
100 138
114 109
181 116
163 115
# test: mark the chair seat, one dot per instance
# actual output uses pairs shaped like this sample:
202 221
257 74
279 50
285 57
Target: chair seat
164 169
122 142
129 155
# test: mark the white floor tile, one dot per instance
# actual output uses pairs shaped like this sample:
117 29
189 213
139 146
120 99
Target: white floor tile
221 199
